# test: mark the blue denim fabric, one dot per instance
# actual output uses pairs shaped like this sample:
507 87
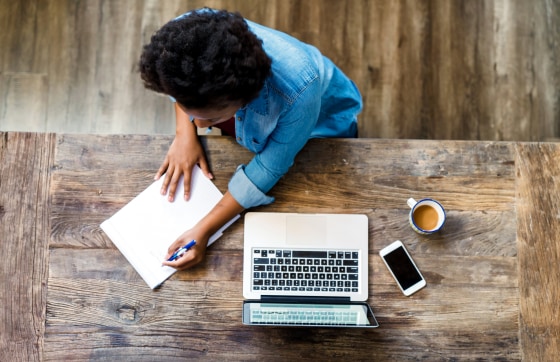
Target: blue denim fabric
305 97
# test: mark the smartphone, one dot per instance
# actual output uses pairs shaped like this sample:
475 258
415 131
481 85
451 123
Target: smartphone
402 267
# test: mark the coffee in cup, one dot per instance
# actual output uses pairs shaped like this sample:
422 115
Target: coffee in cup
426 216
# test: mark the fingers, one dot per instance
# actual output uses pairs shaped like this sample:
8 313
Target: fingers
162 169
166 181
189 258
174 247
173 181
170 182
187 181
205 168
185 261
187 184
174 168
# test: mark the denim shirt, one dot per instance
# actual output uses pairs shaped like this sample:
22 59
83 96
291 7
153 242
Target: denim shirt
306 96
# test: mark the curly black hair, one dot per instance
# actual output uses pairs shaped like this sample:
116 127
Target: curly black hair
205 59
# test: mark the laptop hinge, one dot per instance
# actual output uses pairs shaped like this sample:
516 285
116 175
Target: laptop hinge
303 299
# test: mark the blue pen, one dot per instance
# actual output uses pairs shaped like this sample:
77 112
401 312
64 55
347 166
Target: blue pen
182 250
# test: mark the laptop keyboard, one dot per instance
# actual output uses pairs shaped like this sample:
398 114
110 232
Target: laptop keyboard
305 270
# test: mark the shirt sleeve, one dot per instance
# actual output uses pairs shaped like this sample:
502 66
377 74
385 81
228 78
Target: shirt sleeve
245 192
250 183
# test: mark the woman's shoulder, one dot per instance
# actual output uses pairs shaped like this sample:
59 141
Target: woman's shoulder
295 64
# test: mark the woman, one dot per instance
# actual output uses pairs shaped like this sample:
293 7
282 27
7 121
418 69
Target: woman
268 89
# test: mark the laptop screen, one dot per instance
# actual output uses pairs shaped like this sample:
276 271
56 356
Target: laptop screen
308 314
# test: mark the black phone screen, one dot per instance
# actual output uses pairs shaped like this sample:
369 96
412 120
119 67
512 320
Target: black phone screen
402 267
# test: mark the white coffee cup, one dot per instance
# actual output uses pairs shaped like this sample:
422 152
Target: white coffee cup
426 216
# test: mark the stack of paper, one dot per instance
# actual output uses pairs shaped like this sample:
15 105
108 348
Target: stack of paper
144 228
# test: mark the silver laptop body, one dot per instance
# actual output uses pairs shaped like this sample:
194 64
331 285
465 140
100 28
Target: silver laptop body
306 270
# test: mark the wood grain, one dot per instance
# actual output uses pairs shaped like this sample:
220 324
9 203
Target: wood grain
471 267
96 176
538 208
25 160
25 100
429 69
492 272
126 316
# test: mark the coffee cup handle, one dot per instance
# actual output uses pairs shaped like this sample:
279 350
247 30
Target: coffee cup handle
411 202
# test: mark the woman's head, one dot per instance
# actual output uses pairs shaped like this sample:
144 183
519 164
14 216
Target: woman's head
205 59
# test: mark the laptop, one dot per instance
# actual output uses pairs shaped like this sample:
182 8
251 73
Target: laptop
306 270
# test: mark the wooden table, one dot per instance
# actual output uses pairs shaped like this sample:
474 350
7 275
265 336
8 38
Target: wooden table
493 273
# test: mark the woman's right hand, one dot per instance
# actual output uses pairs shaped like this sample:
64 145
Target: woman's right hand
184 153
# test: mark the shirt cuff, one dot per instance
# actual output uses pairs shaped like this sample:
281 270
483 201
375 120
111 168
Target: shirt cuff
245 192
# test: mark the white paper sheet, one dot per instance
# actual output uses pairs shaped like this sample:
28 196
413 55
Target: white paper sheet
144 228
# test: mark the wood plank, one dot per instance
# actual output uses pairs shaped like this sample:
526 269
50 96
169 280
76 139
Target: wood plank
445 171
84 183
22 44
470 309
500 82
23 102
122 316
25 160
538 210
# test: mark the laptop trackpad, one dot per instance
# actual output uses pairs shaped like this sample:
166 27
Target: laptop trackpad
306 229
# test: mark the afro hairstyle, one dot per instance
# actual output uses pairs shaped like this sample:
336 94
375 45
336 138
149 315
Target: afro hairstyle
205 59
